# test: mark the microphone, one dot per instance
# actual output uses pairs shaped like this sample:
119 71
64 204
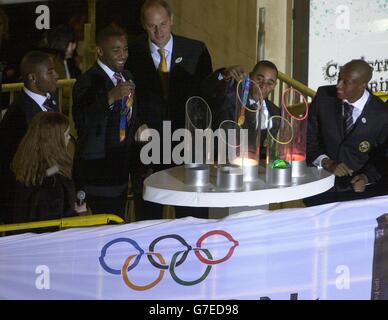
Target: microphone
81 196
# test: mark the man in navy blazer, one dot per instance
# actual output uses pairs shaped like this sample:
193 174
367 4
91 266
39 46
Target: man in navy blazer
347 133
40 83
168 70
106 125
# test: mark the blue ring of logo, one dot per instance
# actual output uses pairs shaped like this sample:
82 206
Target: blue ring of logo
106 247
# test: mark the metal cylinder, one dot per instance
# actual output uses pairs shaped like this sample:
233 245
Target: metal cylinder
298 169
197 175
279 177
251 173
230 178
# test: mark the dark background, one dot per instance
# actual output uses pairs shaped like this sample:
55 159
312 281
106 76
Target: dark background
24 36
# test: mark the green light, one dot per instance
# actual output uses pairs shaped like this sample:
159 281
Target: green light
280 164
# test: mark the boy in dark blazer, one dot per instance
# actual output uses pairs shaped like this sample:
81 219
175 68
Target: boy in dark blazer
105 116
347 131
40 83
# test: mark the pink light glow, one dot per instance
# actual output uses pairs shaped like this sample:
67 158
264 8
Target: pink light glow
295 157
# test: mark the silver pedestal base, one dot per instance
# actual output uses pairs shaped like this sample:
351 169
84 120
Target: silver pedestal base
279 177
197 175
299 169
251 173
230 178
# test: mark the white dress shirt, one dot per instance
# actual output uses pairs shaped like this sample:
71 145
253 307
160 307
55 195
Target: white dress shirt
359 105
264 116
168 52
264 113
39 99
109 72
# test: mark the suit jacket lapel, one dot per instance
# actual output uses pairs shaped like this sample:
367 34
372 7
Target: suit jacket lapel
31 108
177 54
108 82
272 109
149 66
364 115
339 117
55 102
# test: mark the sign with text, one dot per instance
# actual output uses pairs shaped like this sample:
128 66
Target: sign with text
343 30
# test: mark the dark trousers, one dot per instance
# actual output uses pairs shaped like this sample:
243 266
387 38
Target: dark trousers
145 210
333 195
7 200
108 205
200 213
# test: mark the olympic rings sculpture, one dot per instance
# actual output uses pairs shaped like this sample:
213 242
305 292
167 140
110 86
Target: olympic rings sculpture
178 259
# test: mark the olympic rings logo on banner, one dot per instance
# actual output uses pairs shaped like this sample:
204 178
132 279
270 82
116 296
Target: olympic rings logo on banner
178 258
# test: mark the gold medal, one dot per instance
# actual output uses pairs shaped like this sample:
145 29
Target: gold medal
241 120
129 102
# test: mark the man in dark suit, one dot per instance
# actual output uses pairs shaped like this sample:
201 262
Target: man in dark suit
220 90
347 131
168 70
105 116
40 82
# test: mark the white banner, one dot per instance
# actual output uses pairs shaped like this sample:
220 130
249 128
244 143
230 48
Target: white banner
322 253
343 30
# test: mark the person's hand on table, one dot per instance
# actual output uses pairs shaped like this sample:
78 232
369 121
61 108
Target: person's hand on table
359 183
338 169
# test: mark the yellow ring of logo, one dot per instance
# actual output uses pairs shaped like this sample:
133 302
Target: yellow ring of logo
149 286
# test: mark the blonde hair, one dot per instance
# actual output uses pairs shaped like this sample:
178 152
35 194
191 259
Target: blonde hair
152 4
42 148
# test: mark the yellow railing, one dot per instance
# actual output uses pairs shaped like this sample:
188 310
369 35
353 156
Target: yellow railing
382 95
285 82
73 222
290 82
13 88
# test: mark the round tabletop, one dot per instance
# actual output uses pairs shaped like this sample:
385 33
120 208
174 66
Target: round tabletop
168 188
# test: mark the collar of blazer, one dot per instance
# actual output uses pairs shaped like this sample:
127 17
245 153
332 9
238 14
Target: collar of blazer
273 109
339 117
367 112
362 119
108 81
178 52
29 106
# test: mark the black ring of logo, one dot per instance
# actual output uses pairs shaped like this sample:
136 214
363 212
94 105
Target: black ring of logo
171 236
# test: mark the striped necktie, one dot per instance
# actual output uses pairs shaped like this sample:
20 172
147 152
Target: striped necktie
49 105
125 109
348 118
